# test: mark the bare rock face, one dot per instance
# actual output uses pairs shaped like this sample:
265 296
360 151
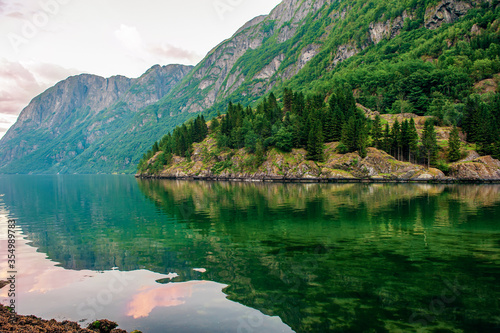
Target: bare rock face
388 29
447 11
218 75
482 168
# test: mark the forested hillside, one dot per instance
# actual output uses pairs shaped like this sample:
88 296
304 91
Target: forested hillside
310 124
444 74
410 56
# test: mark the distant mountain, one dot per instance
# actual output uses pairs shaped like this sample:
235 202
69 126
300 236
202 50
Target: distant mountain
307 45
72 127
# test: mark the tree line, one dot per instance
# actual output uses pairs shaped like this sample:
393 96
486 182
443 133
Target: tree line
309 122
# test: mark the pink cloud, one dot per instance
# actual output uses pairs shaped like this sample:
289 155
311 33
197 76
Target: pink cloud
168 51
13 9
19 83
173 294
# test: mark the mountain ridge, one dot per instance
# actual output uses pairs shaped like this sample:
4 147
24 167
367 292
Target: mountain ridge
300 45
82 103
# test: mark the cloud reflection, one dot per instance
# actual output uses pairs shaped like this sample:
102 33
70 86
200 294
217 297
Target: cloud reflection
173 294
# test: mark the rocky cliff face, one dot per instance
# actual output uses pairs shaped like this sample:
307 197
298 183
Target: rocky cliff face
222 72
447 11
67 119
247 65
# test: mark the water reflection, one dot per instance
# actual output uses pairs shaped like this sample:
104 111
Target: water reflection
321 257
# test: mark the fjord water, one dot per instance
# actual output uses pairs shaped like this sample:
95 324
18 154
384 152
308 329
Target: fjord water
160 255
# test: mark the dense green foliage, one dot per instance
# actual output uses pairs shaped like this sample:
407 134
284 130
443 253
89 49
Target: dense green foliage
421 71
308 122
482 123
454 145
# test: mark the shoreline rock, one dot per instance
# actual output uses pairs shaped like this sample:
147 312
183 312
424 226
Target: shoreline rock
32 324
376 167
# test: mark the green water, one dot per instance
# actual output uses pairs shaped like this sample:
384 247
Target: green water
275 257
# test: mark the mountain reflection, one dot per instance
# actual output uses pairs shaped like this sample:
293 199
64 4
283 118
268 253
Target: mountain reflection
322 257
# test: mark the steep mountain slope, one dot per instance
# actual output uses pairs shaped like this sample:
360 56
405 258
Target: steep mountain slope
307 45
301 44
244 67
63 129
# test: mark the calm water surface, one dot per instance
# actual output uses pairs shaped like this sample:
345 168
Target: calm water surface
220 257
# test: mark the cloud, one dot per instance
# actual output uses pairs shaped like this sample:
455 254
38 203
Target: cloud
17 86
16 9
129 37
167 51
20 83
6 121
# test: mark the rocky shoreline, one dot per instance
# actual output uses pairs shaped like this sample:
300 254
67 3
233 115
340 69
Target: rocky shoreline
376 167
10 322
323 180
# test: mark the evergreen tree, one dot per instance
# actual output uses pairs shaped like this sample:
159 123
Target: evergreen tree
298 104
395 139
386 143
354 135
287 100
429 142
349 135
156 148
405 139
315 142
214 126
338 123
329 126
251 140
377 135
260 153
472 123
454 145
413 139
284 139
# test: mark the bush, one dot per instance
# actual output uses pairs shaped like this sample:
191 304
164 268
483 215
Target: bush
221 166
443 166
342 148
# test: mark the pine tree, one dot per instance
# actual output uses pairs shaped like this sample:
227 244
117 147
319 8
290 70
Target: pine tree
315 143
329 126
429 142
354 135
348 135
298 104
338 123
287 100
386 143
214 126
377 132
405 139
395 139
156 147
454 145
413 139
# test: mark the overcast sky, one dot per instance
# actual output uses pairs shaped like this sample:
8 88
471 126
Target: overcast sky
45 41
